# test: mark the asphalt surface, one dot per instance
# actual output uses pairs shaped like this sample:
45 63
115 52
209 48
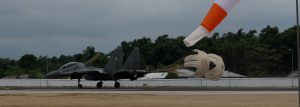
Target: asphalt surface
155 89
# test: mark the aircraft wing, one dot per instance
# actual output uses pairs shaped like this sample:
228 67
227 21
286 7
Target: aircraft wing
75 73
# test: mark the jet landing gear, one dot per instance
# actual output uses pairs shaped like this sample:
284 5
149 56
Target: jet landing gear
79 85
78 77
117 84
99 84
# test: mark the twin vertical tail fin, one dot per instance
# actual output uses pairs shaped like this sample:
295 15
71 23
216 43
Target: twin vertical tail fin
133 61
116 60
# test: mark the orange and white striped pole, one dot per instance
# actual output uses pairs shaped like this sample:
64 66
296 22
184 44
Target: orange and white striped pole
215 16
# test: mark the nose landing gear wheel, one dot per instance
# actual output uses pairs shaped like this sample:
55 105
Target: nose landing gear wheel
117 84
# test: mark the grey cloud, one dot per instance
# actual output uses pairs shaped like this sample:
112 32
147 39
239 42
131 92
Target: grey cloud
54 27
256 14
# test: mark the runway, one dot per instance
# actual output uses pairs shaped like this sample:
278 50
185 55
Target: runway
149 97
145 90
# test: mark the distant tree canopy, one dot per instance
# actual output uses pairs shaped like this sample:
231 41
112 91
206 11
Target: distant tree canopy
255 55
28 61
263 54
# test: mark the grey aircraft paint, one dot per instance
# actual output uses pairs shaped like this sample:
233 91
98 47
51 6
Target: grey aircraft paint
113 70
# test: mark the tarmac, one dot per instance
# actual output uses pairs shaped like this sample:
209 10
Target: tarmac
186 90
149 97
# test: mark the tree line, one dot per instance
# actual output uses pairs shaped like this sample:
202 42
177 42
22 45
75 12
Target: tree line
264 53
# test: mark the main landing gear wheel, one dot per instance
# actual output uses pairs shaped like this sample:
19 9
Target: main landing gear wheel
78 83
99 84
117 84
80 86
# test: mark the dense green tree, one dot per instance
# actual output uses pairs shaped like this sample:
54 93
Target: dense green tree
255 54
28 61
101 60
88 53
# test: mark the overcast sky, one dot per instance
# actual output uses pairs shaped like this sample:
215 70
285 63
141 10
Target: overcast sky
55 27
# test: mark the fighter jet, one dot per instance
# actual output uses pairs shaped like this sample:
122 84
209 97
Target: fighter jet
114 70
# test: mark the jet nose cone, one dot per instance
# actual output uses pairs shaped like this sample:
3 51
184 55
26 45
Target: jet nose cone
52 75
